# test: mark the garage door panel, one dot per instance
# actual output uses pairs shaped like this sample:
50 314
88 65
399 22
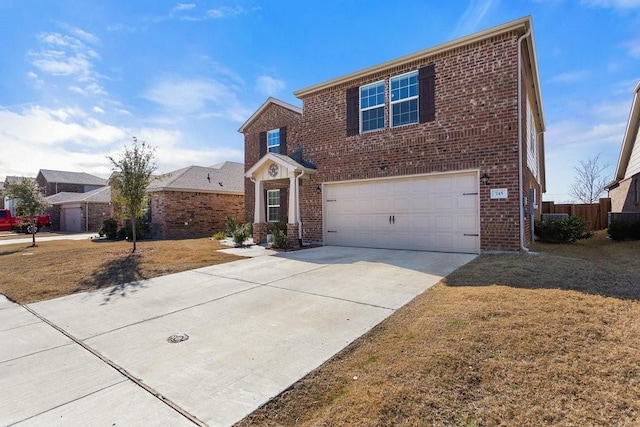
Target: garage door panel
438 213
443 203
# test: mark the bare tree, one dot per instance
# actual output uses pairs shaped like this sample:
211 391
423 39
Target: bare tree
134 171
590 180
29 202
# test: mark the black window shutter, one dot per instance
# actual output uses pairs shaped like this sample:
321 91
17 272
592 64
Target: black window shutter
284 205
283 140
263 144
353 113
427 89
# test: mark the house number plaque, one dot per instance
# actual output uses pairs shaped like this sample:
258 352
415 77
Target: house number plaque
499 193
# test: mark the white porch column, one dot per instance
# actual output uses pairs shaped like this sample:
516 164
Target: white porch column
258 213
293 198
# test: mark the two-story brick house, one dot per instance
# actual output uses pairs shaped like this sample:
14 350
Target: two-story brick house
624 190
438 150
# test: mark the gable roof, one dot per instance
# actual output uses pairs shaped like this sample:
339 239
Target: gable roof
282 160
522 26
99 195
629 140
65 177
271 100
225 177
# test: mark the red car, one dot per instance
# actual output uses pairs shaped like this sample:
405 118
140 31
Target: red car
9 222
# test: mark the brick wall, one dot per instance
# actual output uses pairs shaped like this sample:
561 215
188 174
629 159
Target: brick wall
179 214
273 117
54 213
623 198
98 212
476 127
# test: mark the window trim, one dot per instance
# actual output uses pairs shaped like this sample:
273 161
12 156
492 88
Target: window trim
637 189
269 147
383 105
273 205
410 98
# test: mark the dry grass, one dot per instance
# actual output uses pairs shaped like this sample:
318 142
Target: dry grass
514 339
62 267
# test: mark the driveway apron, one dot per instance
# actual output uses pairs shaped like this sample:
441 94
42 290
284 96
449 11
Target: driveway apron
245 331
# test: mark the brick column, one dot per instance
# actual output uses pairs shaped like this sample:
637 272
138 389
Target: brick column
260 231
292 235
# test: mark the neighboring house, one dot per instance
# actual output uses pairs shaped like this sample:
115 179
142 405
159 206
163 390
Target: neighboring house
78 212
439 150
53 182
194 201
624 190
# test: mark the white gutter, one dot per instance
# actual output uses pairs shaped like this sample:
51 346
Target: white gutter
298 207
520 181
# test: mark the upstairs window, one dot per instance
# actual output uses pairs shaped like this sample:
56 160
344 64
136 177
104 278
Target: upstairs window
273 141
372 107
404 99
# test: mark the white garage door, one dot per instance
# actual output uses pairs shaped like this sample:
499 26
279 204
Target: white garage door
72 219
433 213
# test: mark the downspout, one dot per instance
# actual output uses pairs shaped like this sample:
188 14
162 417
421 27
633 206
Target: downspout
298 207
86 217
520 181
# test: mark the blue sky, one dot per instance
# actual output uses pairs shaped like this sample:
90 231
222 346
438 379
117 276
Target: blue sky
79 79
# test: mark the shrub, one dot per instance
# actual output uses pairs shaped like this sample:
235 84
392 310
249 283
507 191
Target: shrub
280 226
624 230
109 228
143 230
220 235
280 239
240 234
231 224
567 230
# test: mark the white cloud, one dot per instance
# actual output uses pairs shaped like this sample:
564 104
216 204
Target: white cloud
472 16
224 11
98 110
269 86
68 55
200 97
183 6
570 77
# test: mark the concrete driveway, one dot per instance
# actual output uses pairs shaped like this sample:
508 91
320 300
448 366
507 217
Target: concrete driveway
254 327
44 237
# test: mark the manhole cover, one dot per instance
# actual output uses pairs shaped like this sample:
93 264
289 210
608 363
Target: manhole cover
175 338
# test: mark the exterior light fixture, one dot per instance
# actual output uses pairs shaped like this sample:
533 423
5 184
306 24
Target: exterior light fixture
319 189
484 179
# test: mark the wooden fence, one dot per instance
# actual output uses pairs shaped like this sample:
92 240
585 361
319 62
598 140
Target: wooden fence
595 214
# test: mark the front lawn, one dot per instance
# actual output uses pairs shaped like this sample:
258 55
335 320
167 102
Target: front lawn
57 268
513 339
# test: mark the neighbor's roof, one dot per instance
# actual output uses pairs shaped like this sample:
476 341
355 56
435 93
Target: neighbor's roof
10 179
631 134
225 177
99 195
265 104
65 177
